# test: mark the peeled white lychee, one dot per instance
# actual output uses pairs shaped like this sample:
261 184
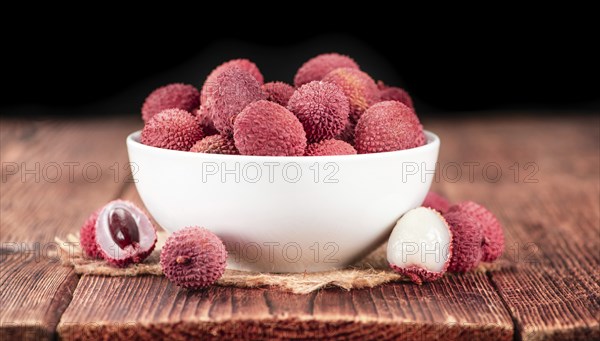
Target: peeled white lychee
420 246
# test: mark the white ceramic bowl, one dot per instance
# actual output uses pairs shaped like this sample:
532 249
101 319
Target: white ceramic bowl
285 214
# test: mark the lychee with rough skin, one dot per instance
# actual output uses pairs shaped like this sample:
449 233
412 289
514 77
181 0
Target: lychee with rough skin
388 126
215 144
87 237
437 202
347 134
193 258
317 67
278 92
359 88
322 108
392 93
123 234
330 147
420 246
244 64
233 90
466 243
173 96
492 244
205 121
268 129
172 129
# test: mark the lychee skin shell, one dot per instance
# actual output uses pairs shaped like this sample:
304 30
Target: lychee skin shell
172 129
173 96
316 68
243 64
391 93
466 241
437 202
215 144
330 147
347 134
388 126
87 237
492 244
233 90
278 92
322 108
418 275
201 254
268 129
359 88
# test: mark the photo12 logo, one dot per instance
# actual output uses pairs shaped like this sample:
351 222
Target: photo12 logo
271 172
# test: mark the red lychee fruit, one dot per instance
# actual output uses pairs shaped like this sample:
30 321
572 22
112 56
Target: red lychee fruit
120 233
322 108
215 144
437 202
244 64
492 243
268 129
388 126
316 68
278 92
359 88
347 134
466 242
205 121
391 93
330 147
193 258
420 246
172 129
173 96
87 237
233 90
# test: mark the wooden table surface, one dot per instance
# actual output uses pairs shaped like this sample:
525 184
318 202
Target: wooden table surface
546 286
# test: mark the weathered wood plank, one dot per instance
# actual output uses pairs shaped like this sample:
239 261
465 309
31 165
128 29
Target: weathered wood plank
550 278
35 289
151 307
55 177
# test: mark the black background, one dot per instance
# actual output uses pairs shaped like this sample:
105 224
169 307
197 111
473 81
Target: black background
83 69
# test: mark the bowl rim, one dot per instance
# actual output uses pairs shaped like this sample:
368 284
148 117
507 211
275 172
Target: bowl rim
433 143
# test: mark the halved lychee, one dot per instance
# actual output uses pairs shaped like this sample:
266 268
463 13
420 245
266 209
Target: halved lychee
420 246
123 234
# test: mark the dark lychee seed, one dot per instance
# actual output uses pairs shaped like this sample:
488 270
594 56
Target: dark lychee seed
123 228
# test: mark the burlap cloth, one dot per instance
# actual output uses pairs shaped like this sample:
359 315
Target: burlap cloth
371 271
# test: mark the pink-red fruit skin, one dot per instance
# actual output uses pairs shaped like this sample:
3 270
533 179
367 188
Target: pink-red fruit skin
466 241
492 244
215 144
437 202
268 129
359 88
87 237
244 64
317 67
418 275
193 258
388 126
172 129
233 90
391 93
173 96
330 147
322 108
278 92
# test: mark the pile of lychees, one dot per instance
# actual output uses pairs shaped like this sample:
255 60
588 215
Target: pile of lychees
333 108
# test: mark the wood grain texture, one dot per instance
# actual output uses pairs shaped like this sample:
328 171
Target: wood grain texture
151 307
35 289
55 173
550 273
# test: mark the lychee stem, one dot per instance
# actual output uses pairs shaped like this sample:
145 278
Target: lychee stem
182 260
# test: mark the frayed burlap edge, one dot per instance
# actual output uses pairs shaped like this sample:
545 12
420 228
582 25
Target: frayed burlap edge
372 271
